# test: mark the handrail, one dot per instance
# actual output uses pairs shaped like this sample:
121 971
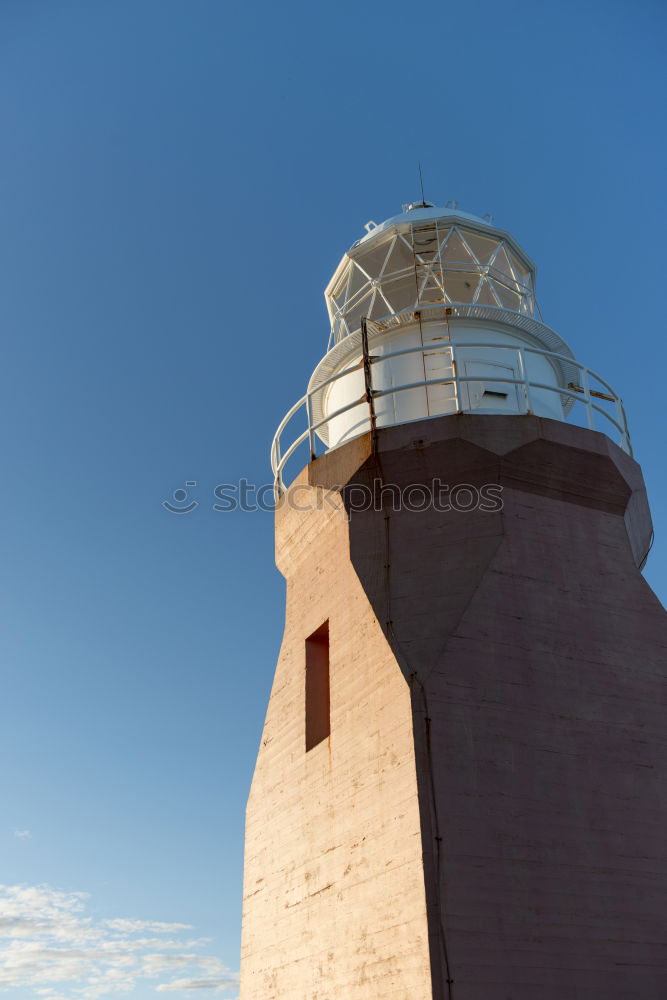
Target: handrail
581 393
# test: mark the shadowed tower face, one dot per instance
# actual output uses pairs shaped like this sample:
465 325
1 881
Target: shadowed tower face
460 787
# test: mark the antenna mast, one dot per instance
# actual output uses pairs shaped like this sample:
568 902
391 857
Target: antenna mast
421 181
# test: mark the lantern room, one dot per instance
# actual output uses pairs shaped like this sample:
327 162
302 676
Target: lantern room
423 257
433 312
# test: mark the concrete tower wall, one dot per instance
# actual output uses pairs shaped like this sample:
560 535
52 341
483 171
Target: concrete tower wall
487 819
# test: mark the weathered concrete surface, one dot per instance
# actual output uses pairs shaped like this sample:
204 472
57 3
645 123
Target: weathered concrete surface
334 896
520 682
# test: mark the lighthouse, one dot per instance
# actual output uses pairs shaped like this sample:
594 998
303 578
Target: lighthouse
460 791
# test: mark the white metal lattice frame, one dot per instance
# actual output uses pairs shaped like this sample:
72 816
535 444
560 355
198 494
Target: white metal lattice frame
434 258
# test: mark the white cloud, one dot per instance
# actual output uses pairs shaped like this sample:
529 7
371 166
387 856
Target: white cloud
23 834
51 948
156 926
219 983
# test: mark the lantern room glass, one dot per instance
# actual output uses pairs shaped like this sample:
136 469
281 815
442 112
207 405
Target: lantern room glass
425 264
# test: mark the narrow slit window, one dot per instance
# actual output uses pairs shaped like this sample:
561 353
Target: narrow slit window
318 719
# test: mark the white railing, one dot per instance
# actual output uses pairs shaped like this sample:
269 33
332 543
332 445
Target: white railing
588 388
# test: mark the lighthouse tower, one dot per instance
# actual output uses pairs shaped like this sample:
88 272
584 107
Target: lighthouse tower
460 792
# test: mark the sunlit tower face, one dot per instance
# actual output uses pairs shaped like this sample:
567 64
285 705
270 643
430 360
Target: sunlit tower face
459 787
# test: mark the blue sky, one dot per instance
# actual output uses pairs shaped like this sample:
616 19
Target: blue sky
178 182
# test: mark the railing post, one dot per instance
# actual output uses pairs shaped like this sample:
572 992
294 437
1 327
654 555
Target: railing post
368 383
311 435
523 374
455 375
623 421
587 398
277 481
